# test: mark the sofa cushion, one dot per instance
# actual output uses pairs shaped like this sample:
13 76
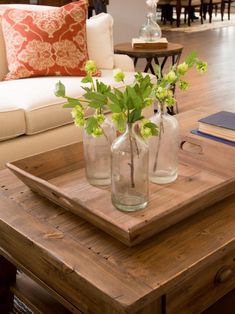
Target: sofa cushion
44 43
100 40
12 123
101 24
42 109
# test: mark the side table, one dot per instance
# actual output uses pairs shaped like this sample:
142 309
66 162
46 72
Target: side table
159 56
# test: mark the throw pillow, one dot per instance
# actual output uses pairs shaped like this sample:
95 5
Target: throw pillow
44 43
100 34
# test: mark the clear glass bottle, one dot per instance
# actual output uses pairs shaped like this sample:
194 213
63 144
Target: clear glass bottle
129 170
97 153
150 30
163 149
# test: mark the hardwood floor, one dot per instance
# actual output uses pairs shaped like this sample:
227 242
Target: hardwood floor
217 85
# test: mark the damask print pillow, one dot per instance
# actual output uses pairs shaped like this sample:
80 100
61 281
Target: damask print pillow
45 43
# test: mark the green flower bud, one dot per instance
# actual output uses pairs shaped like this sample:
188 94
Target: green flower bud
100 118
90 67
148 102
97 132
118 75
170 77
201 66
161 93
182 68
183 85
78 115
170 101
146 132
148 129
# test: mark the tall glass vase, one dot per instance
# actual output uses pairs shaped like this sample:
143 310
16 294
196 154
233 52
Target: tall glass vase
97 153
129 166
163 149
150 30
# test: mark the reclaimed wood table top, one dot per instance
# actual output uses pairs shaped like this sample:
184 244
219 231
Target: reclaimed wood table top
89 268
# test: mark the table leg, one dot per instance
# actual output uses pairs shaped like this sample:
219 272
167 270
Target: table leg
135 61
7 277
149 66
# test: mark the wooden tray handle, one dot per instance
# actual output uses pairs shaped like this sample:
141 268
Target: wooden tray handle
191 145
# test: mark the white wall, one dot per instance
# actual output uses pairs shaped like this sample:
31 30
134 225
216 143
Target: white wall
128 16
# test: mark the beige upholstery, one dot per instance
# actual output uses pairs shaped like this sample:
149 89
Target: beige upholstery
36 109
32 119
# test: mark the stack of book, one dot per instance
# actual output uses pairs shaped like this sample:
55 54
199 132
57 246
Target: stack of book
219 126
158 44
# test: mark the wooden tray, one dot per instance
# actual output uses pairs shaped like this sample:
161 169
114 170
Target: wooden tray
59 176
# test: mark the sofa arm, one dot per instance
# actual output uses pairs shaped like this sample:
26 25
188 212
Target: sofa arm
123 62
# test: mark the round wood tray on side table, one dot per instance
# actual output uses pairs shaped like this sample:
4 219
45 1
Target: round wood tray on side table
158 55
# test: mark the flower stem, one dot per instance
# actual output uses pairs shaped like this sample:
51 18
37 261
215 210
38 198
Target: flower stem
161 130
131 164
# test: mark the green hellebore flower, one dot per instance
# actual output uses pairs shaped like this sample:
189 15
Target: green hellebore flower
202 67
118 75
77 111
170 77
90 67
145 132
183 85
148 102
100 118
182 68
97 132
161 93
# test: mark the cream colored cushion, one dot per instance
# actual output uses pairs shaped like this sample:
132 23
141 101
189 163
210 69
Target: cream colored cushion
12 123
100 40
42 109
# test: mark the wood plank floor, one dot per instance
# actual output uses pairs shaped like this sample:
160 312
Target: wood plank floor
217 47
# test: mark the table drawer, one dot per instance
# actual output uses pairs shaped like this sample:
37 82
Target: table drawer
204 288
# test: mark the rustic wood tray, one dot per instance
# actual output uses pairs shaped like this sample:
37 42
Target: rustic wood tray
206 175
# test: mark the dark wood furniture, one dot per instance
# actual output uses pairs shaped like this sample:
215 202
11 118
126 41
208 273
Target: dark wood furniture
159 56
14 1
185 269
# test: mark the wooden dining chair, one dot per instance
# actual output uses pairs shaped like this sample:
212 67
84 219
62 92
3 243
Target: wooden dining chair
188 6
212 5
226 3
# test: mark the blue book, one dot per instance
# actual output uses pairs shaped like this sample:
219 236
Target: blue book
220 125
214 138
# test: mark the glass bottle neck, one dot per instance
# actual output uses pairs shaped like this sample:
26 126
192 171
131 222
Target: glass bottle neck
162 109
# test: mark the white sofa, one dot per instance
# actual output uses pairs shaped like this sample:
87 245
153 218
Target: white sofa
32 118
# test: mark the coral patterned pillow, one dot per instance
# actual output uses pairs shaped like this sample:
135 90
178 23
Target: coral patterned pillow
48 42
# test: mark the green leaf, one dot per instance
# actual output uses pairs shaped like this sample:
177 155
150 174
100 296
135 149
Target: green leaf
137 99
102 99
115 108
87 79
102 88
135 115
72 102
59 89
90 124
95 104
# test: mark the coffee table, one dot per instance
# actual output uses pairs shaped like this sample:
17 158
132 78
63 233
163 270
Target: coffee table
160 56
67 265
